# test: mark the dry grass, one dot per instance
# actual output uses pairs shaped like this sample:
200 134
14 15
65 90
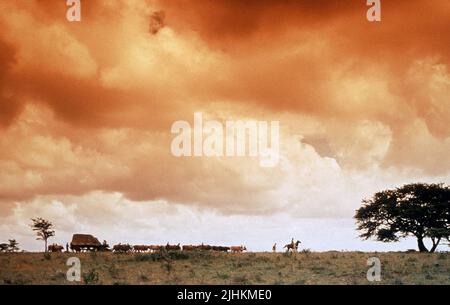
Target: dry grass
226 268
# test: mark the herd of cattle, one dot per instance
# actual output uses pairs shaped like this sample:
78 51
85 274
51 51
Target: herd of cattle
88 243
123 248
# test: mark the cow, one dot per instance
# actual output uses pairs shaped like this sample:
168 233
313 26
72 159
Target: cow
55 248
223 249
235 249
220 248
169 247
205 247
154 248
189 248
140 248
120 248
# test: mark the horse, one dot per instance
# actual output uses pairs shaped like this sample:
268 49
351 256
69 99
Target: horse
292 246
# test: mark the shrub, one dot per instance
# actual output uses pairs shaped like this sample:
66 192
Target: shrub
177 255
154 257
113 271
199 255
300 281
222 276
147 257
240 280
411 259
167 266
90 277
158 256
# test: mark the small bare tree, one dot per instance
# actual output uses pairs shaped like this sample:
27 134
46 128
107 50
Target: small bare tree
43 228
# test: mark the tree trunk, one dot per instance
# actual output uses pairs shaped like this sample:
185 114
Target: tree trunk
435 244
421 245
45 245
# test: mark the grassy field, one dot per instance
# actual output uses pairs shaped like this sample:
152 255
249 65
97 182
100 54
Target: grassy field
225 268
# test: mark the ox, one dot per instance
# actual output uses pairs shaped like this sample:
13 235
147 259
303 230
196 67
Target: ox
154 248
205 247
140 248
55 248
120 248
169 247
189 248
235 249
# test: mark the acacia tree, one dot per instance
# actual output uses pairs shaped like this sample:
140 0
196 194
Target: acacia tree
13 245
420 210
44 229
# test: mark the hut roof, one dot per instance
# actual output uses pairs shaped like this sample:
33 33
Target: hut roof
84 240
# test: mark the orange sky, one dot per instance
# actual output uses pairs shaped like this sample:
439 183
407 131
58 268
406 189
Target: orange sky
86 110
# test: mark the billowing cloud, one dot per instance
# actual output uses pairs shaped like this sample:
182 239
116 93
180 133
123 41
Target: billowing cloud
86 108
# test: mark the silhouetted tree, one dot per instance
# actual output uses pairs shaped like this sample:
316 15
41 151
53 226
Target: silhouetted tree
44 229
420 210
3 247
13 245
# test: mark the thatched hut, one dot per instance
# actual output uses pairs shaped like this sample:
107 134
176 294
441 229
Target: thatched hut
86 242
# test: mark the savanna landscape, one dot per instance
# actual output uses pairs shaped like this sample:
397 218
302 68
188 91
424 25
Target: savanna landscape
201 268
419 210
266 142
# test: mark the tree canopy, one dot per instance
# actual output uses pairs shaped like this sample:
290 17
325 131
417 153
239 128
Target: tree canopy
13 245
421 210
44 229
